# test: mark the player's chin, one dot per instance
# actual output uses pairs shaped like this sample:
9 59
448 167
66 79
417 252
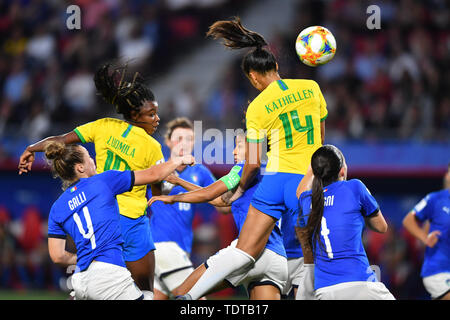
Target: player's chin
152 129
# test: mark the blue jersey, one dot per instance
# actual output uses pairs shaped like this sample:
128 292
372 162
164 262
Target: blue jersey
435 208
341 256
239 209
173 222
89 213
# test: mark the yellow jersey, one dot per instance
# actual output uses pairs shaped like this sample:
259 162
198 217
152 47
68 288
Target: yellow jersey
122 146
288 113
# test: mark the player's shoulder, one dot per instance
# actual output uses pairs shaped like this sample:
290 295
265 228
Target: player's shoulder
149 140
59 205
110 121
437 194
356 185
301 83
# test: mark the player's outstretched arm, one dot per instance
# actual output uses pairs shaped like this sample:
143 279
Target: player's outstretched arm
159 172
205 194
220 205
27 158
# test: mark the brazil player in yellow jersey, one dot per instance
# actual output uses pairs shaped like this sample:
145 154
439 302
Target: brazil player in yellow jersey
290 114
122 145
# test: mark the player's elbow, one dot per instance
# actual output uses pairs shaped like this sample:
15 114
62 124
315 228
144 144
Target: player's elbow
57 256
383 228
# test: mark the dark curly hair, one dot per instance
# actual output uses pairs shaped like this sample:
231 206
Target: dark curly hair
125 96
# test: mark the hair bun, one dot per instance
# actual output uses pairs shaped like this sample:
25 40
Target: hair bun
54 150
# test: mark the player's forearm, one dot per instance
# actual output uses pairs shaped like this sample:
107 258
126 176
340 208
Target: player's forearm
187 185
205 194
248 173
410 224
303 237
156 173
61 256
252 164
67 138
40 145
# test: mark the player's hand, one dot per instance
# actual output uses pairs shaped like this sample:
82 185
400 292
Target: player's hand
165 199
185 160
173 179
229 198
432 238
26 161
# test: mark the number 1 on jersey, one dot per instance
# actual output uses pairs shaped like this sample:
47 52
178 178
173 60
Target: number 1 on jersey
325 232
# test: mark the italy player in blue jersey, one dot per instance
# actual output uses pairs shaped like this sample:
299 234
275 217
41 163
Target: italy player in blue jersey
88 211
336 212
434 208
266 279
171 224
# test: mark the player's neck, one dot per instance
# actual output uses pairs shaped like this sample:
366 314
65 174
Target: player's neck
269 78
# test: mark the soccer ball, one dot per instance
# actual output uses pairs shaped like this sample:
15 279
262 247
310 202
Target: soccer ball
315 46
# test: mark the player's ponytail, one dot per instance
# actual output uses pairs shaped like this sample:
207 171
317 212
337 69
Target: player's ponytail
62 159
326 163
236 36
125 96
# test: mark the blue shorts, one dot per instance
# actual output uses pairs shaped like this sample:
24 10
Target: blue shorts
276 193
137 237
276 197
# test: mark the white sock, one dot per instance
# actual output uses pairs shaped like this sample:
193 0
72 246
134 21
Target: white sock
148 295
225 264
305 289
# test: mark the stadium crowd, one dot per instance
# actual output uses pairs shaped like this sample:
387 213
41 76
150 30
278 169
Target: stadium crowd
382 84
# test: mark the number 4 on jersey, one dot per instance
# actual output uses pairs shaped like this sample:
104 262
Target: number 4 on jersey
309 128
90 234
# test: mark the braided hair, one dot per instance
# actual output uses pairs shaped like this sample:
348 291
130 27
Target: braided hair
127 97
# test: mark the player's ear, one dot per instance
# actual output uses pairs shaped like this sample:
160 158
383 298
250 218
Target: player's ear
343 173
79 168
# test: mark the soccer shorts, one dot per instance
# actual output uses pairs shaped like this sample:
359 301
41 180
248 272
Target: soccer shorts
172 266
105 281
276 193
269 269
355 290
138 240
437 285
294 272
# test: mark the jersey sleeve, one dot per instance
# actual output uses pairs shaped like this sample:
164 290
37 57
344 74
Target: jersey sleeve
255 133
55 229
118 181
422 210
369 205
87 132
